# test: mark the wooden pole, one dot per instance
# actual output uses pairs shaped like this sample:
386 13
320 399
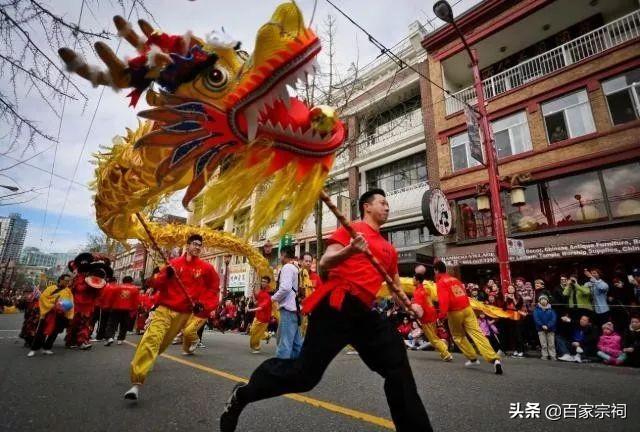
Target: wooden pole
164 257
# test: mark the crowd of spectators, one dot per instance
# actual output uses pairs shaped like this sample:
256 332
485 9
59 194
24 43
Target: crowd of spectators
579 318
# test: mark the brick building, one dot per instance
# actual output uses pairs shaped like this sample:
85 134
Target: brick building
562 81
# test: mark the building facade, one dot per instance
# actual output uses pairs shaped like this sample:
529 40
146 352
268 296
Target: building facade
562 83
13 231
32 256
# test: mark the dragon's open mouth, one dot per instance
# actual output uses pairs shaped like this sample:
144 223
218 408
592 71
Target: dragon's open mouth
265 109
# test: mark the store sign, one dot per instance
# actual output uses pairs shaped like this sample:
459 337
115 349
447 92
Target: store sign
605 247
516 247
237 280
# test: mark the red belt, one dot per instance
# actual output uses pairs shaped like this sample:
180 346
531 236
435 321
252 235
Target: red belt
336 297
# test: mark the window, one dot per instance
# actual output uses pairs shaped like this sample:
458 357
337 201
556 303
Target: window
577 199
623 96
473 224
408 236
460 152
241 223
512 135
337 187
398 174
623 190
568 117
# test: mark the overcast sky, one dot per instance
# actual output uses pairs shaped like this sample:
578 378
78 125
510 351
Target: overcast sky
387 20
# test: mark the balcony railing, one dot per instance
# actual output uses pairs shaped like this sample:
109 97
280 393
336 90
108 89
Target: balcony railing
390 133
342 159
601 39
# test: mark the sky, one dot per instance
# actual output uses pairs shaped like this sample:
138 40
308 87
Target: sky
61 213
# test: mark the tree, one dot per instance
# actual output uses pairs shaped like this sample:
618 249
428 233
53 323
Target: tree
30 34
100 243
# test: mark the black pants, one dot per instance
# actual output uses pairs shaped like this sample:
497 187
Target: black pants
201 330
117 319
102 323
41 340
329 331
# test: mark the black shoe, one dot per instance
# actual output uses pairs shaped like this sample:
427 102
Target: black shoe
231 414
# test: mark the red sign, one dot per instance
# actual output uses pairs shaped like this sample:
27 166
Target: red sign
139 257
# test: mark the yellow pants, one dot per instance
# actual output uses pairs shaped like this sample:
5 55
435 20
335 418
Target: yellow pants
190 331
465 321
256 333
429 330
164 326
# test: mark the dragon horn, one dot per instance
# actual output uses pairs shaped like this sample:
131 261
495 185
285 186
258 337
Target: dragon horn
146 28
77 64
126 31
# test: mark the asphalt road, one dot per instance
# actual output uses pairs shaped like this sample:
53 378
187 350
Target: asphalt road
82 391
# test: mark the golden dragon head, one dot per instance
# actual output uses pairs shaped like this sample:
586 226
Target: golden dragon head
216 103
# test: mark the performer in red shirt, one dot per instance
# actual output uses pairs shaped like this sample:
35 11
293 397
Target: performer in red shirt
175 307
263 315
422 297
123 304
340 315
455 306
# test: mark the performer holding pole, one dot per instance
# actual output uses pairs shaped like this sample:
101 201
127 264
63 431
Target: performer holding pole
186 285
340 315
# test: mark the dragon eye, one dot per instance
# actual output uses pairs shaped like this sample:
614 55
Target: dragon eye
216 79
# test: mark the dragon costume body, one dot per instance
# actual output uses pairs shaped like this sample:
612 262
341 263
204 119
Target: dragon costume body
221 124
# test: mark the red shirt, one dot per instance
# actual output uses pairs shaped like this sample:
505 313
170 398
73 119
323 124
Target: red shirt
124 297
263 300
231 310
199 279
356 275
147 301
451 294
106 294
404 329
421 297
84 297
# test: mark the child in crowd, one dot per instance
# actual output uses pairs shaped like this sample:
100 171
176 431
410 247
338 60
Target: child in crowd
545 319
416 339
609 346
489 329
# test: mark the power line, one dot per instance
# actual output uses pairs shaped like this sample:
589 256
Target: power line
24 162
386 51
86 139
55 151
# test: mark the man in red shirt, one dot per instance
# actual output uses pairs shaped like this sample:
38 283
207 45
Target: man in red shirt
341 314
422 297
122 305
263 315
202 285
454 305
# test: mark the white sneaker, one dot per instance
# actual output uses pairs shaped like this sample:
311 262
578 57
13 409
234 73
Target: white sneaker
577 359
424 345
500 353
192 348
31 353
108 342
119 342
352 352
132 393
470 363
579 350
47 352
497 367
255 351
566 357
85 346
201 345
93 340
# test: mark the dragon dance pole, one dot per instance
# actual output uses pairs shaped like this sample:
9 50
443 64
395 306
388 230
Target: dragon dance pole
406 303
164 257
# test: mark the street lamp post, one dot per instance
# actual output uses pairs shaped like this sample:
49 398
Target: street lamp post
443 10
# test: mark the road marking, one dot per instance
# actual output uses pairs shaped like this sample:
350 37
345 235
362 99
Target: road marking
369 418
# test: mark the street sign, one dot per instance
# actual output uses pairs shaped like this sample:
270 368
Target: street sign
473 129
516 247
436 212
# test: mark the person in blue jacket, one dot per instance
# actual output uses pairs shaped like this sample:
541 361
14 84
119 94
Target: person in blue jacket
545 319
